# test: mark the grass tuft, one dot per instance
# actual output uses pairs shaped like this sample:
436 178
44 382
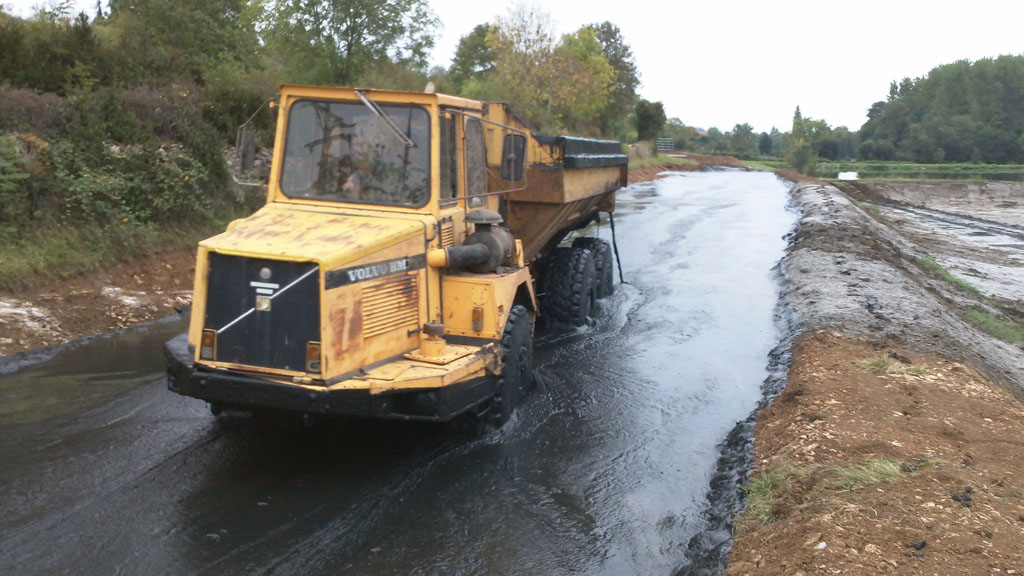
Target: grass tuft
868 207
941 273
764 165
762 491
887 365
871 471
991 324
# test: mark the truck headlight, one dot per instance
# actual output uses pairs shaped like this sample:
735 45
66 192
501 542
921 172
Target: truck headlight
313 357
208 345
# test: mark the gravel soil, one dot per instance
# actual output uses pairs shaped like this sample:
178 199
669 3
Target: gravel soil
896 446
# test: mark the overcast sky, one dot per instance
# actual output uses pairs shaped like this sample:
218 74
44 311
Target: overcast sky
727 62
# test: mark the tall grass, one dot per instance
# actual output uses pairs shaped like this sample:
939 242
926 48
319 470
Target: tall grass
34 257
870 471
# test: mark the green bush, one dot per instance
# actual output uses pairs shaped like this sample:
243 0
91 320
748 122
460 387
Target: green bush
141 185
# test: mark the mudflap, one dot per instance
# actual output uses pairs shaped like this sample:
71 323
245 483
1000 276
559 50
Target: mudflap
179 361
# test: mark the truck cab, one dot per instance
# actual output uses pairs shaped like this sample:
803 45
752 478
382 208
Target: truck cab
378 280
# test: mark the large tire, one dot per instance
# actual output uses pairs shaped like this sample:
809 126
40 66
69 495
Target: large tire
603 264
569 285
516 365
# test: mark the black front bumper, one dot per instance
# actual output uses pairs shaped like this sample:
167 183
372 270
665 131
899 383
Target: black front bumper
230 389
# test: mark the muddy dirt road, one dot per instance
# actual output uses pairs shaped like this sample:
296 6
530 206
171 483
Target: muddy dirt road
605 470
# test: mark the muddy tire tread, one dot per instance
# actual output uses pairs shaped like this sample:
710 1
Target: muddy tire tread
569 285
517 365
603 264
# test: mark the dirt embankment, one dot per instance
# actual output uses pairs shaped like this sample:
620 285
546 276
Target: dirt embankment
891 450
133 292
697 162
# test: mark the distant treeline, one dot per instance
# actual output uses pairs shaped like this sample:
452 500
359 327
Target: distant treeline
960 112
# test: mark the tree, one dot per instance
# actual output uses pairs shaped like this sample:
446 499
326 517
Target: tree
523 41
52 52
682 134
626 76
959 112
552 86
474 57
801 147
716 141
160 39
876 110
650 118
742 141
336 41
579 82
764 144
847 142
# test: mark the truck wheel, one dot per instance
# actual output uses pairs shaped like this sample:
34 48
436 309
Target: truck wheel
516 365
569 285
603 264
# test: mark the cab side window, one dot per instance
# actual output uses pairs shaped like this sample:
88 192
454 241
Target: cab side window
449 160
476 163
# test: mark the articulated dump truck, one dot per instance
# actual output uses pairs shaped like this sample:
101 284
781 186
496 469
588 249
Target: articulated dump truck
408 244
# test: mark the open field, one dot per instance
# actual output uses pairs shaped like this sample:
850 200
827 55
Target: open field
871 170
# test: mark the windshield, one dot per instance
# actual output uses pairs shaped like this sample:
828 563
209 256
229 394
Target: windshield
345 152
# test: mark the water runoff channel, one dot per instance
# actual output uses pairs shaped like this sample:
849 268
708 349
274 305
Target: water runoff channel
606 469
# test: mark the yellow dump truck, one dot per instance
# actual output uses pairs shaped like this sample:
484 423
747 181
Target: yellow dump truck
407 245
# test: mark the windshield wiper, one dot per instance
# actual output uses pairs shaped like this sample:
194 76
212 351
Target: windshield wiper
387 119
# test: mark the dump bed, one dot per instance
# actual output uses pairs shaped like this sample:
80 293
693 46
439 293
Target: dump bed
568 180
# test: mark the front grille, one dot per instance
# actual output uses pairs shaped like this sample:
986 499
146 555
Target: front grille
447 234
274 338
389 306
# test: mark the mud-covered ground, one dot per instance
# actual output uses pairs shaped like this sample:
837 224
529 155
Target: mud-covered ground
896 445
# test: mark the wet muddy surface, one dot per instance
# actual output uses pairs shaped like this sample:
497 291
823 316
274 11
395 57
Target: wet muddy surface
606 469
974 230
861 274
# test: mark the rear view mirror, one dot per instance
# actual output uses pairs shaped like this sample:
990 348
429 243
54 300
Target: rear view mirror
513 153
246 150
